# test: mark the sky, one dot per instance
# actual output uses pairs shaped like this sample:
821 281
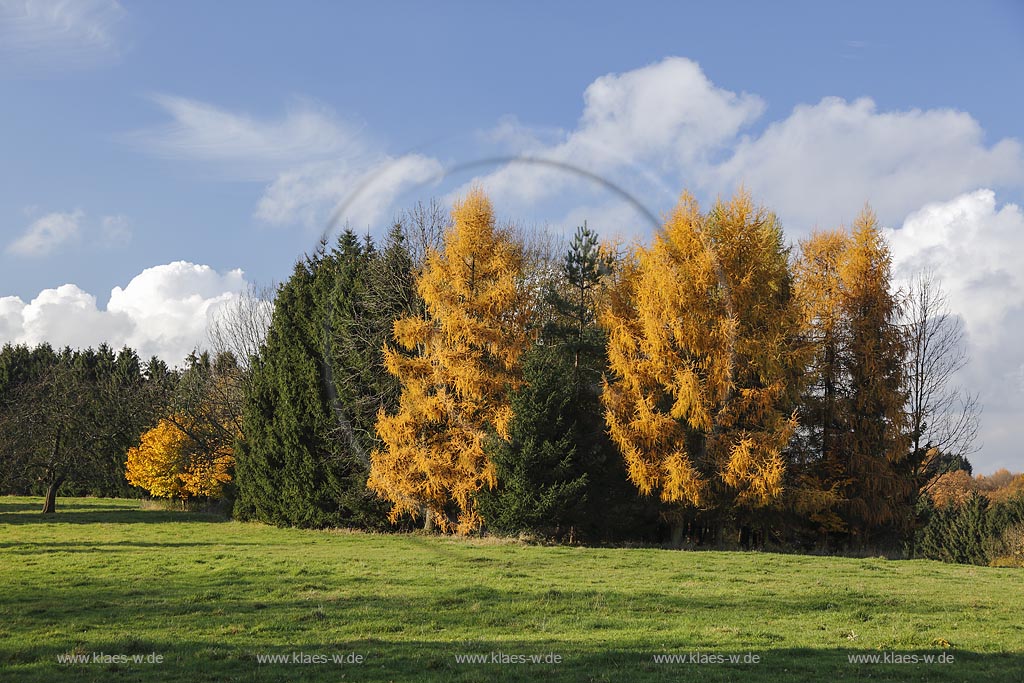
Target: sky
158 158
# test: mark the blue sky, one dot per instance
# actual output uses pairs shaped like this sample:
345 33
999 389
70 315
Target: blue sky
150 150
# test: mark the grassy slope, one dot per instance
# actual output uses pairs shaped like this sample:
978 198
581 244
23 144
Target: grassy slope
104 576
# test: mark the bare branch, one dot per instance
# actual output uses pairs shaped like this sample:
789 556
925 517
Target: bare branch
943 417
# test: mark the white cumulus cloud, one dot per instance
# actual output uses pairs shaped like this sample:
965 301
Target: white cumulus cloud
973 245
11 317
163 311
171 305
820 164
68 316
662 128
654 122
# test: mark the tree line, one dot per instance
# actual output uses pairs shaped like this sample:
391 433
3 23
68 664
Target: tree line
714 386
70 421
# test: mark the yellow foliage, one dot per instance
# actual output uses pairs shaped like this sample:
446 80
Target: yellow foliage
168 464
1001 485
700 327
954 488
817 500
854 376
455 367
957 486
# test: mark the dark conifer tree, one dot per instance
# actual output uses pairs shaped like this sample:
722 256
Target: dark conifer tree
559 475
281 464
318 385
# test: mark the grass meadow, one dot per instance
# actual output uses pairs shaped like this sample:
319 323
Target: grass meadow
211 598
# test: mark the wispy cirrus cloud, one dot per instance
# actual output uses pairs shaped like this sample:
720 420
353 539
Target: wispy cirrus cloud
43 35
310 159
240 146
52 231
312 194
116 230
47 233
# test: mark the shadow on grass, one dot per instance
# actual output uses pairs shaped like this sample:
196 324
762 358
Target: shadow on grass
7 507
99 514
322 600
35 547
232 618
439 660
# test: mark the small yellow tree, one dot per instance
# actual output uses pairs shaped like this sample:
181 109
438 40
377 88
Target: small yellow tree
701 329
455 366
168 464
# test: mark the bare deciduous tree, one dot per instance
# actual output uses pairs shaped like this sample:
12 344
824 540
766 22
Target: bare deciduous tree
424 227
240 326
236 335
942 416
206 397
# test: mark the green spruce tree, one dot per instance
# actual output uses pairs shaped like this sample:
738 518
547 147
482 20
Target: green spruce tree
317 387
558 473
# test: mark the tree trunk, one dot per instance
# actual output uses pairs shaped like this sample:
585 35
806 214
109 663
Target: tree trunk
428 521
54 479
50 502
676 538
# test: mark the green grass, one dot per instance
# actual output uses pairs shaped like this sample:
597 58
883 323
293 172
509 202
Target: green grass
210 595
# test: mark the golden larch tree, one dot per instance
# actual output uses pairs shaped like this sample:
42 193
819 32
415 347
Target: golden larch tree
875 441
852 437
701 330
456 365
819 473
